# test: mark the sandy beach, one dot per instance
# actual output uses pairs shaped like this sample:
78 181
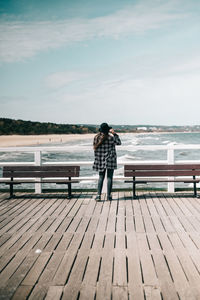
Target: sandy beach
29 140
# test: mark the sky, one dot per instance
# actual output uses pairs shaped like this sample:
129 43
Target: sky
93 61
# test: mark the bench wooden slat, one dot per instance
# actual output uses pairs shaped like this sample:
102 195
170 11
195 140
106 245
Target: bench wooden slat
163 167
21 174
167 173
41 168
66 181
163 180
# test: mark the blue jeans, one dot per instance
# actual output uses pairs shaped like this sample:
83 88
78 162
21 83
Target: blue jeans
109 181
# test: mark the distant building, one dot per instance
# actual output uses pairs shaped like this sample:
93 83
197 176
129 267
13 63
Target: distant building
142 128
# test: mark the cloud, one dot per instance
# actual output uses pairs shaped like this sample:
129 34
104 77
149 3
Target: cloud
61 79
21 40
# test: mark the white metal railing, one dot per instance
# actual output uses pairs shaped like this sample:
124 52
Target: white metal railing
38 151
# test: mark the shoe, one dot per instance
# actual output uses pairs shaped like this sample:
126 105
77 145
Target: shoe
109 198
98 198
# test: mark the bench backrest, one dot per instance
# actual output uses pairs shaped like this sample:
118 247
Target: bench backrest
40 171
161 170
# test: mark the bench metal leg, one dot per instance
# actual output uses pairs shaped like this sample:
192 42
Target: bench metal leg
134 195
69 191
11 190
195 188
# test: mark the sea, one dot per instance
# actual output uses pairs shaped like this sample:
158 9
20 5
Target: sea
82 150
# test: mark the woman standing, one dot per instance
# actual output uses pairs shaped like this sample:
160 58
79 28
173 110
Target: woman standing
105 157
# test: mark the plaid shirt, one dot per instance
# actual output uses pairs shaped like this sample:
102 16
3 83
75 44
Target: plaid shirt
105 155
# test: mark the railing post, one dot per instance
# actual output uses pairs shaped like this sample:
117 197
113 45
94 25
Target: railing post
38 162
170 159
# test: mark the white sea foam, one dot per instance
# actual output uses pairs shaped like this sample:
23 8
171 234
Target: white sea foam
119 171
126 157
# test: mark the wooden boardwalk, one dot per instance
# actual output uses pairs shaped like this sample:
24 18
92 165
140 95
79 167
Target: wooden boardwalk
54 248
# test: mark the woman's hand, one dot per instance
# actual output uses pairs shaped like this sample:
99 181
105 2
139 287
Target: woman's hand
112 131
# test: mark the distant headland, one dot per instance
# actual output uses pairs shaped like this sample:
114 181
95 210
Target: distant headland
21 127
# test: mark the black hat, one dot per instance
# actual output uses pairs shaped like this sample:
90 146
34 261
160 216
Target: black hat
104 128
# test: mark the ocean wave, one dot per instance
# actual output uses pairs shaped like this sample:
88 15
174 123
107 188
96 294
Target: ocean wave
119 171
126 157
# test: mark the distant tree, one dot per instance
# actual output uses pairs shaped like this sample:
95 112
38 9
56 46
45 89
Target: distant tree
10 126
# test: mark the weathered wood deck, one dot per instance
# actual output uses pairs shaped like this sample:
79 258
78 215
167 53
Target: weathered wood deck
54 248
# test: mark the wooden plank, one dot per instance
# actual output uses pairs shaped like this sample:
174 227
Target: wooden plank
166 283
165 173
179 277
39 292
111 224
186 263
88 286
53 242
120 262
38 174
22 292
13 207
49 272
158 204
120 222
43 241
72 288
38 168
147 264
129 221
54 293
11 268
74 281
178 210
135 276
17 277
103 218
35 272
66 264
28 212
162 167
17 244
11 254
10 286
61 206
63 227
139 222
149 226
120 293
192 248
65 241
104 283
17 222
152 293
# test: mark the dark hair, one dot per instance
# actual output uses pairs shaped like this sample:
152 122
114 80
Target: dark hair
101 138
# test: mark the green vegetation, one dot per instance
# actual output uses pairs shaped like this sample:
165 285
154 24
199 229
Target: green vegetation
10 126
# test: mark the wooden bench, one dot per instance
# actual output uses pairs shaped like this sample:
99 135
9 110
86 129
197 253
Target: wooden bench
41 174
165 171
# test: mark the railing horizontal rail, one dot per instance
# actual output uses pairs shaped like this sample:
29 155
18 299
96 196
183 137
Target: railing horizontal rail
39 151
122 147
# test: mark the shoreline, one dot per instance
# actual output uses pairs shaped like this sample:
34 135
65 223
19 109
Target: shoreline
32 140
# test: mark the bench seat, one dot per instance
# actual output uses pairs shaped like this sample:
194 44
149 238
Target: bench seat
142 174
13 175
